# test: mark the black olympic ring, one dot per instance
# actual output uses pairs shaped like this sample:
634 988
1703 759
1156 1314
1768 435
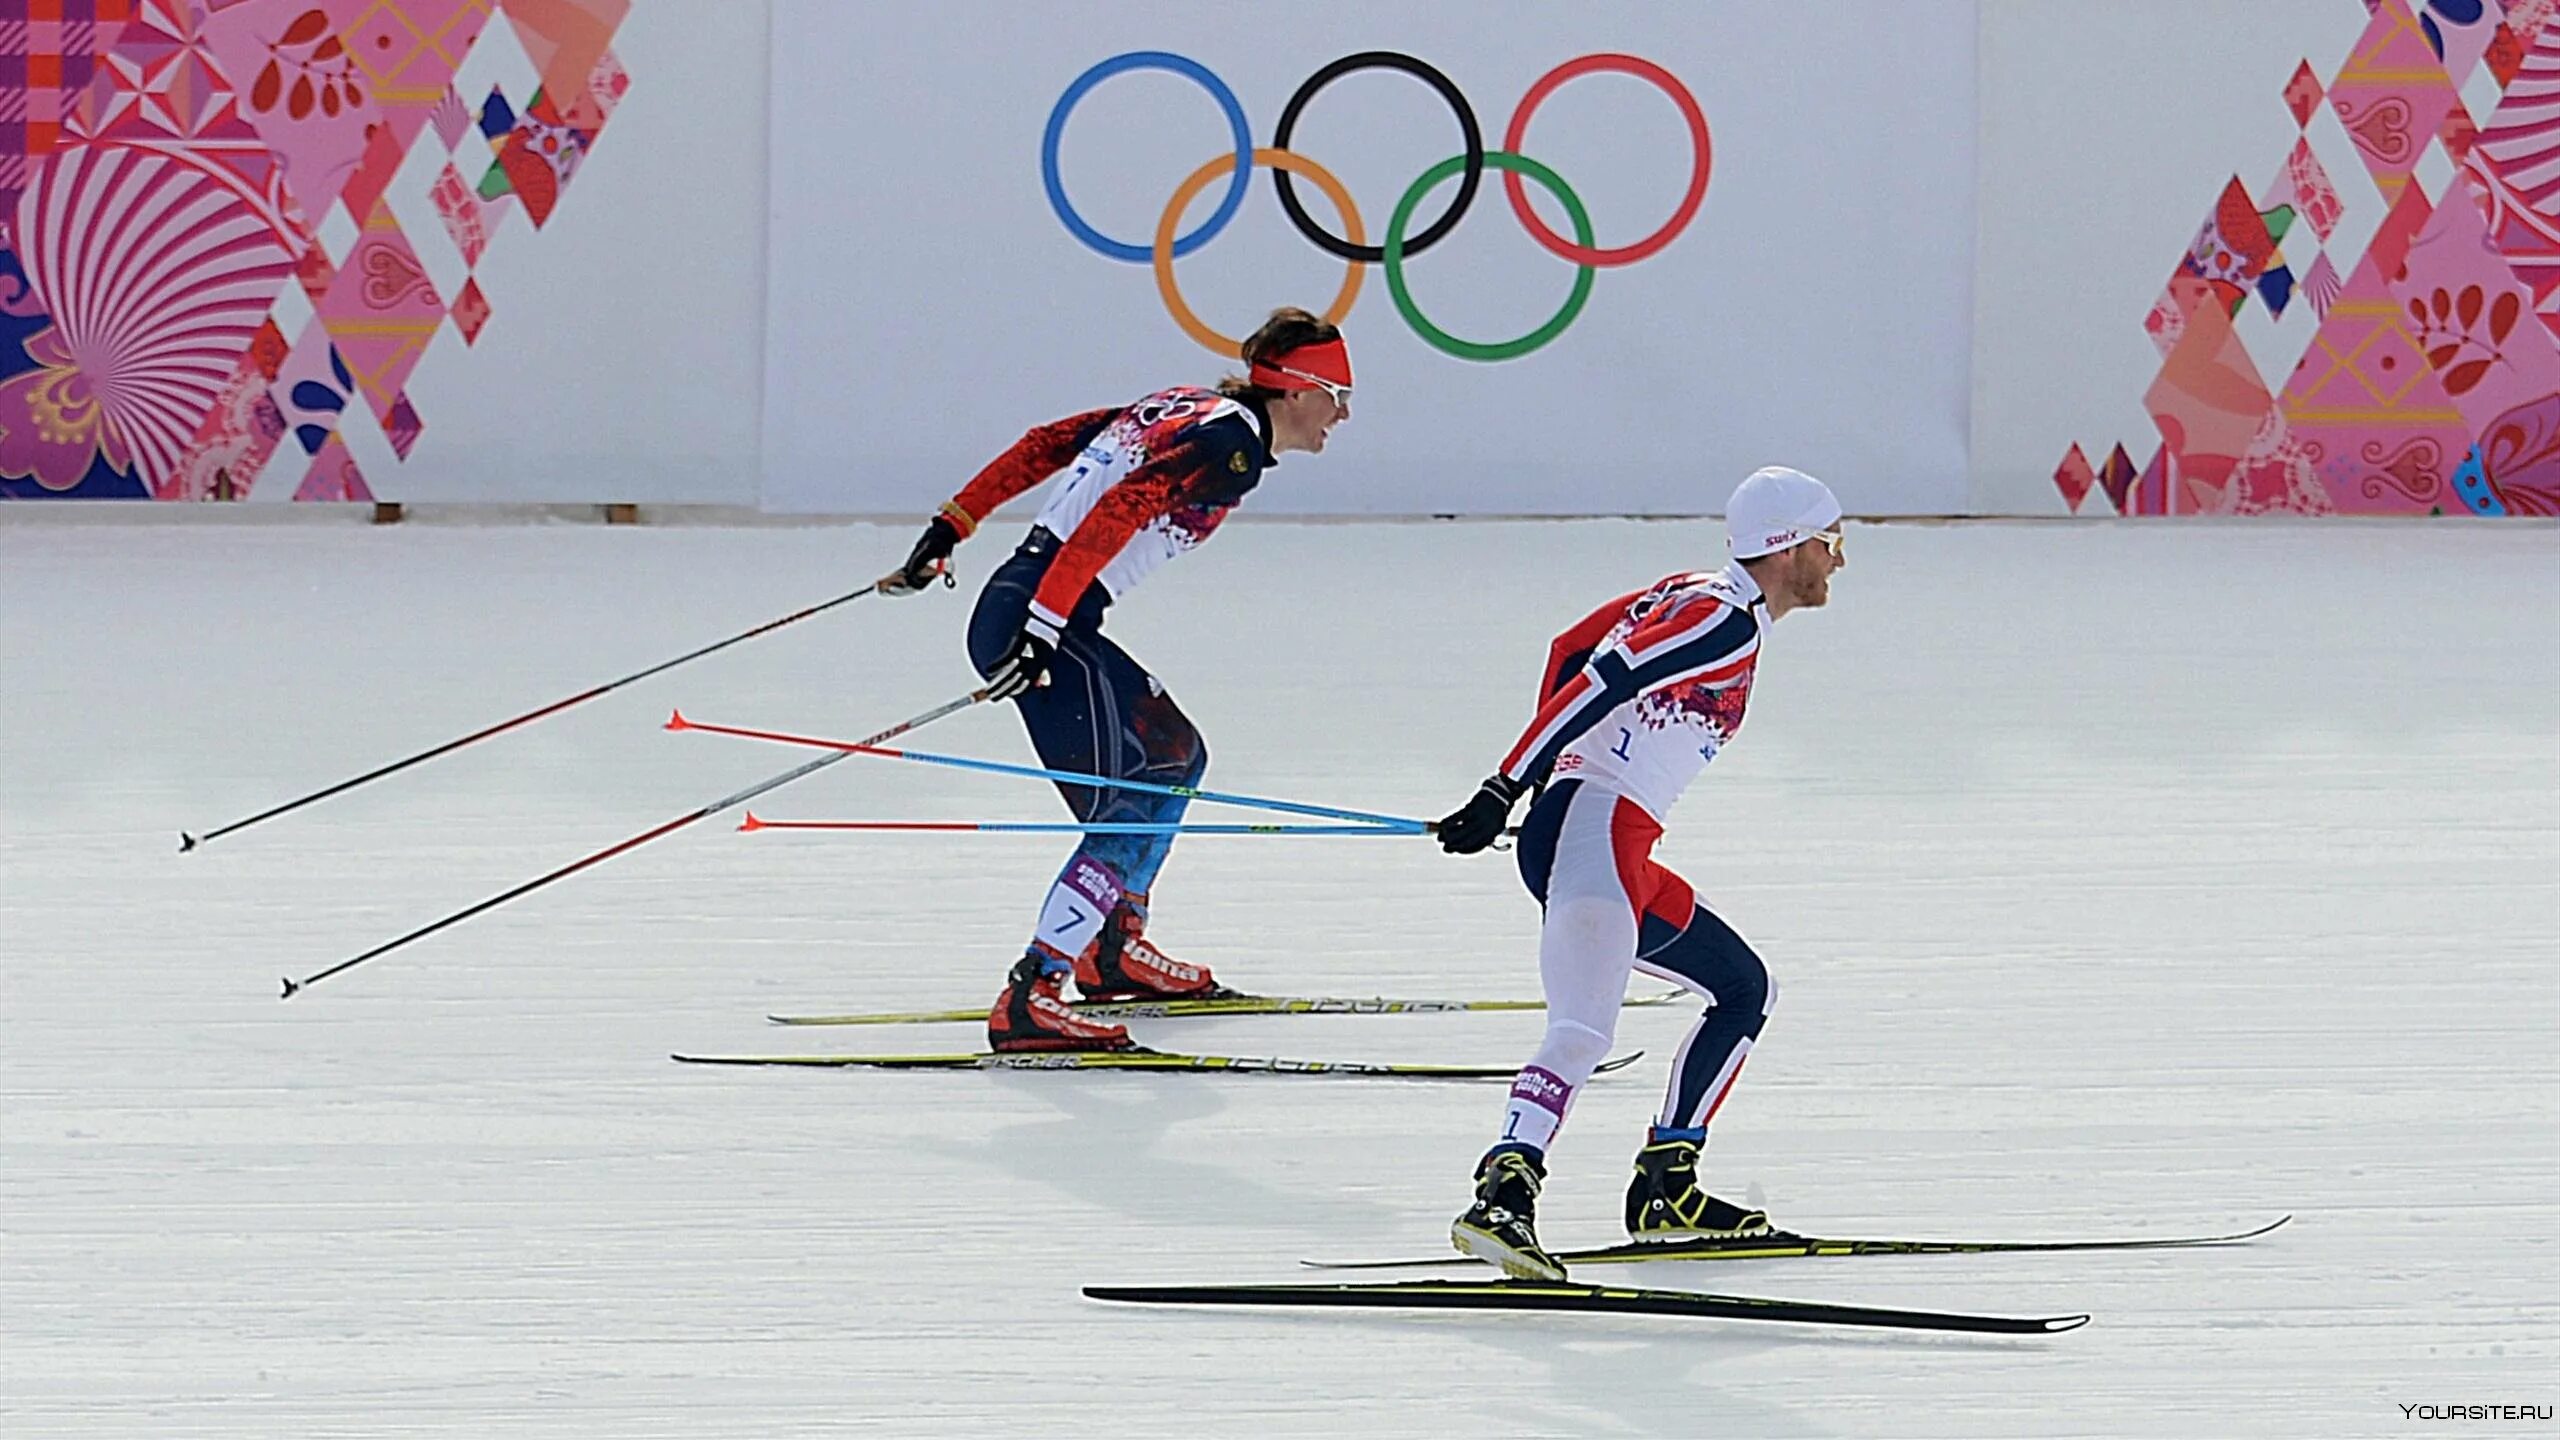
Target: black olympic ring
1421 70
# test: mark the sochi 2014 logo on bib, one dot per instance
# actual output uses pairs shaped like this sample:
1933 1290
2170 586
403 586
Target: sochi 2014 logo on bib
1402 243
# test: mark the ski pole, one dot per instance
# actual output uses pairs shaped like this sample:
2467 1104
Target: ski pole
1048 827
1397 823
291 985
187 841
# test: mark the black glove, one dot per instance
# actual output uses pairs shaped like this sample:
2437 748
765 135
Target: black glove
1480 821
1025 664
926 560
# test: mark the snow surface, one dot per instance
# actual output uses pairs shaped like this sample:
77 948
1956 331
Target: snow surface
2120 880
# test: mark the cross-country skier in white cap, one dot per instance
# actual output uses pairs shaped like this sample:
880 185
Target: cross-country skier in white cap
1638 697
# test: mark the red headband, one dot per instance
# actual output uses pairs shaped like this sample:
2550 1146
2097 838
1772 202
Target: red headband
1326 360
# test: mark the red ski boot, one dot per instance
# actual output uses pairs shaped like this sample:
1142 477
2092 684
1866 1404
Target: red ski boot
1031 1014
1121 965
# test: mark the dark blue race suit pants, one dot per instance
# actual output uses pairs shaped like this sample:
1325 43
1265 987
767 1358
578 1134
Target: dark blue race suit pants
1100 713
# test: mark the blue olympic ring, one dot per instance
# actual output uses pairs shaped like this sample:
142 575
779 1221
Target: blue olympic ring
1146 60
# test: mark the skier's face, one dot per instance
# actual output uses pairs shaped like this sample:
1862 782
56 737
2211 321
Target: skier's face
1302 419
1809 568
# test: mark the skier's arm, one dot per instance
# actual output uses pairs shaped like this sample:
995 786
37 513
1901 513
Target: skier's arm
1040 453
1572 649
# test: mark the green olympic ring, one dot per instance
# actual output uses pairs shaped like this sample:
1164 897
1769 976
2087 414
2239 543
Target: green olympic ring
1441 339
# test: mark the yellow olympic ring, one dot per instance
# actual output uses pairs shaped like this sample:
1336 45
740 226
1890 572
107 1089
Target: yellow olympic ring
1289 160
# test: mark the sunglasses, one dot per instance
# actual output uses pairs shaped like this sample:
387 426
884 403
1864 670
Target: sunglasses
1831 541
1341 394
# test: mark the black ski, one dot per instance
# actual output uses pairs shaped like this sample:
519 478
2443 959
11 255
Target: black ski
1610 1299
1782 1245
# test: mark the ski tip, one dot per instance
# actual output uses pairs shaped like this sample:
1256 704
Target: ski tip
676 721
187 842
2060 1323
1620 1062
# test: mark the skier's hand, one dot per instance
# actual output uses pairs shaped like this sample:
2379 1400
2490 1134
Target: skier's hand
1478 823
931 557
1026 664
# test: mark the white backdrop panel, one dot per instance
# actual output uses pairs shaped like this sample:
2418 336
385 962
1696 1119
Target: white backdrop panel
926 305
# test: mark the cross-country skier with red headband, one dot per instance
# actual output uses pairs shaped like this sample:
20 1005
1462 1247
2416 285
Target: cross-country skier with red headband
1635 700
1137 485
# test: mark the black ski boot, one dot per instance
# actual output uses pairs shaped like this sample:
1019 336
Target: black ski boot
1665 1203
1501 1228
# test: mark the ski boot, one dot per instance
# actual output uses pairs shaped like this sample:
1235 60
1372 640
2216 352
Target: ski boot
1031 1014
1665 1203
1501 1228
1121 965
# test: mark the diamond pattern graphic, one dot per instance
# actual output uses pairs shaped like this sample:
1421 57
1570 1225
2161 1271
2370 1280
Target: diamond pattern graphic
350 130
2366 409
2302 94
2073 478
470 311
2116 477
382 311
408 51
2208 401
2392 95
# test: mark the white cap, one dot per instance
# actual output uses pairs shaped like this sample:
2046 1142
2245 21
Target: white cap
1777 508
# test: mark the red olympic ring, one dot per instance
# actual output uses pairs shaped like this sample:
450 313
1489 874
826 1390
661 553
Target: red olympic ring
1699 144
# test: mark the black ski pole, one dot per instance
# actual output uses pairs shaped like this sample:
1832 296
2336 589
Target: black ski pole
187 841
293 986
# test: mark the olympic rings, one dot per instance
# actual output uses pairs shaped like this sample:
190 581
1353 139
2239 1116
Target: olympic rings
1510 165
1399 248
1281 162
1182 65
1379 60
1701 148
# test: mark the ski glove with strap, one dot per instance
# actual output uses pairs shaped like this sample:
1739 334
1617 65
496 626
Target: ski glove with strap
926 560
1478 823
1025 664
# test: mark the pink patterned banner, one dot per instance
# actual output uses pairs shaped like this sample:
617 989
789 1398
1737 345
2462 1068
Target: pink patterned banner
203 279
2431 384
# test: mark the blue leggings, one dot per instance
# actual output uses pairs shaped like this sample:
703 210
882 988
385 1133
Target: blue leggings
1100 713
